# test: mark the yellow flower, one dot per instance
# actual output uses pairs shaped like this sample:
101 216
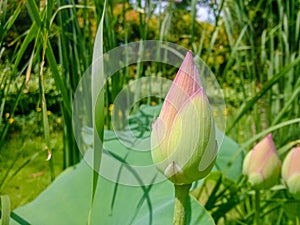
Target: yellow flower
58 120
11 120
111 107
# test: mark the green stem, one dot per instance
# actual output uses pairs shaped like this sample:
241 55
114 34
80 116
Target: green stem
257 207
182 204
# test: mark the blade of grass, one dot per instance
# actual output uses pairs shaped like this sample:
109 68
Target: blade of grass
19 219
5 209
56 75
32 33
34 12
98 79
284 149
45 115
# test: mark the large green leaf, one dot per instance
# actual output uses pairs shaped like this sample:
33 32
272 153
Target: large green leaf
67 199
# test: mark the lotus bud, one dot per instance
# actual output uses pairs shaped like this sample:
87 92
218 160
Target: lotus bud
291 171
183 140
262 164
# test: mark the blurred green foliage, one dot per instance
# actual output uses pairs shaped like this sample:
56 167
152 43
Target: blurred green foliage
246 45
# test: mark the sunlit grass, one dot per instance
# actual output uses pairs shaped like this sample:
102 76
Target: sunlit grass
33 178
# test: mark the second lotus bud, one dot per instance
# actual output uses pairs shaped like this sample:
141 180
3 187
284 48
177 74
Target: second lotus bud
262 164
291 171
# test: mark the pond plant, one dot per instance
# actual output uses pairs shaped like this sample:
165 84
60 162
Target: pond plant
183 136
252 177
291 171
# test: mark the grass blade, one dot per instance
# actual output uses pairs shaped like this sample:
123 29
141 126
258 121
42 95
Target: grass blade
5 209
34 12
58 81
97 106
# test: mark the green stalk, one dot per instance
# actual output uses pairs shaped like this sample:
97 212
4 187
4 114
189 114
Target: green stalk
257 207
5 208
44 110
182 204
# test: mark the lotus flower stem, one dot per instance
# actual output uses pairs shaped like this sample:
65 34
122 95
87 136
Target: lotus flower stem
182 204
257 207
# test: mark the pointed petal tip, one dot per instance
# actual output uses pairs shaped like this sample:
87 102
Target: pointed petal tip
189 53
269 138
189 58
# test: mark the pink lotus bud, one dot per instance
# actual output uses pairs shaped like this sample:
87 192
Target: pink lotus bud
262 164
183 139
291 171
